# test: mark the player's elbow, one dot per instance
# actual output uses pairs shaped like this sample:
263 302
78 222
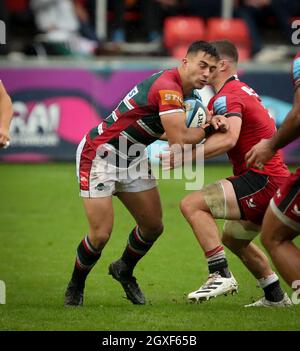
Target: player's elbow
232 143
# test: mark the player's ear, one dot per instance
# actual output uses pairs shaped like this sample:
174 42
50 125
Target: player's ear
184 61
222 65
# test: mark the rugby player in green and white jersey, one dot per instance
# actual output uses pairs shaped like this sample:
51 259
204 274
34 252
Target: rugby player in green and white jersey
110 151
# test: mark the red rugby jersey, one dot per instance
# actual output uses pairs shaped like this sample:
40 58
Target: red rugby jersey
137 117
238 99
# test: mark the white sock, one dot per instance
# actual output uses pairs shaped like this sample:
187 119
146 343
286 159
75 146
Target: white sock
263 282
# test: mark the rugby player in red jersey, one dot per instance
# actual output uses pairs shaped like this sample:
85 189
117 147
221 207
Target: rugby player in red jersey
241 199
281 223
109 154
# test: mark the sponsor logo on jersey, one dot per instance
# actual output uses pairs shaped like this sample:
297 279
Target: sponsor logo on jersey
220 105
171 97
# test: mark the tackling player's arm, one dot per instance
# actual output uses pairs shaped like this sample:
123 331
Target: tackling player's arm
178 133
220 143
219 123
6 113
232 108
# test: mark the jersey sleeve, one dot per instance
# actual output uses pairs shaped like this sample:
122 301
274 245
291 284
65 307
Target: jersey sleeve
228 105
169 97
296 71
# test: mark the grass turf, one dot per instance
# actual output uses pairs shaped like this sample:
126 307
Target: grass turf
41 224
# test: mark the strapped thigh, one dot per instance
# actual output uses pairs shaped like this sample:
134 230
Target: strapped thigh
215 198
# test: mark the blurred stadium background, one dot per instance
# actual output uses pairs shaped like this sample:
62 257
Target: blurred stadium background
66 64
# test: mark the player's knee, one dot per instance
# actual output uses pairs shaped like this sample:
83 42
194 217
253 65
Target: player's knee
185 207
234 230
156 229
228 234
188 207
102 239
152 231
267 240
100 235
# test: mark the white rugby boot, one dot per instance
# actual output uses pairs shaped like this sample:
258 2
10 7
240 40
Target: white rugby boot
216 285
263 302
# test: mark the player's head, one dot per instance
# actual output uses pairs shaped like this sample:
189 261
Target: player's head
226 50
200 61
228 58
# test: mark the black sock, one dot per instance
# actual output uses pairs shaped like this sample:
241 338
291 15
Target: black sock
220 266
136 248
273 292
217 262
86 258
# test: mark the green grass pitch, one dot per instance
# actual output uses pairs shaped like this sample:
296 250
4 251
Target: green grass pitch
41 224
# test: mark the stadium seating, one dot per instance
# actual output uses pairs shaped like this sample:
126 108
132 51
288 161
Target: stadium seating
234 30
179 51
180 31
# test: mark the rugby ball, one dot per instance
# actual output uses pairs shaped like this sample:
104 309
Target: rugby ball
194 112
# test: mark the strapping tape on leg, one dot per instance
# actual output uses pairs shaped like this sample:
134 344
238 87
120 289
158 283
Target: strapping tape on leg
214 197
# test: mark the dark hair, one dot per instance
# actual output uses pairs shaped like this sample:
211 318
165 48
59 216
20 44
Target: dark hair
226 48
204 46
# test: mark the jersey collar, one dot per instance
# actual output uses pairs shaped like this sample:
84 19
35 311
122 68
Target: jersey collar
177 76
230 79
